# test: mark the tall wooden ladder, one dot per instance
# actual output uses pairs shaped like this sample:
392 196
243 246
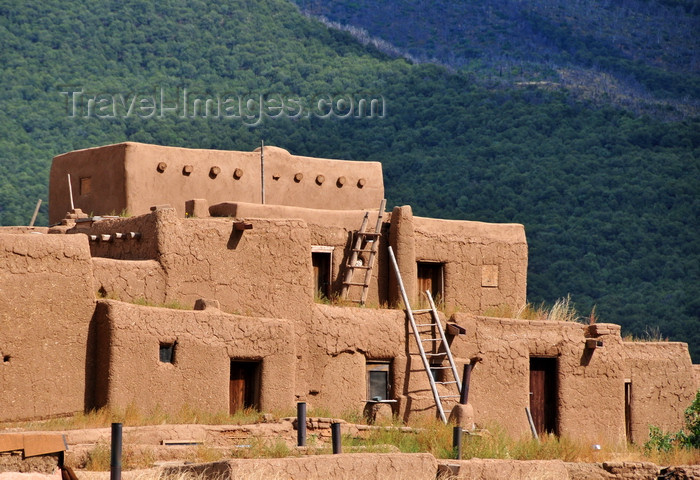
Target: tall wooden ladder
435 342
365 242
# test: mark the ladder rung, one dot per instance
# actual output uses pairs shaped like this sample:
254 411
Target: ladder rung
439 368
354 283
431 339
425 324
445 383
421 310
366 267
362 250
436 355
449 396
370 234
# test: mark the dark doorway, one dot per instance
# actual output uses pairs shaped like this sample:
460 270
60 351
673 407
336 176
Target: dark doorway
322 263
244 386
543 394
430 277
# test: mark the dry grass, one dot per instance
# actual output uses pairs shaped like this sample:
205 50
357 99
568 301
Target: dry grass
562 311
132 416
651 334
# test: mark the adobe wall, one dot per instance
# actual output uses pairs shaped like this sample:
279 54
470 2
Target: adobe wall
590 384
485 264
264 271
334 347
356 466
331 228
129 280
46 303
105 168
143 246
134 176
129 338
662 385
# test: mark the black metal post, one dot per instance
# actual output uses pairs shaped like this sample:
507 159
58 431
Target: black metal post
335 433
457 442
466 377
116 462
301 424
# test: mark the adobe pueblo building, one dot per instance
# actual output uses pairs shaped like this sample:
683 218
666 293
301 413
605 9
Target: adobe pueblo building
254 243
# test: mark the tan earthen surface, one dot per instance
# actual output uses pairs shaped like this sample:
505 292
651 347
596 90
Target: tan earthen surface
130 177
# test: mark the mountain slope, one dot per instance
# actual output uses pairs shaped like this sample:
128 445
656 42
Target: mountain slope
641 53
609 199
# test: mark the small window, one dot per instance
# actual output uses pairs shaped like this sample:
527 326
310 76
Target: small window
167 352
85 185
378 380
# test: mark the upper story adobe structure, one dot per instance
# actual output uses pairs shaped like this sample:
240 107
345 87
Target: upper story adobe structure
132 177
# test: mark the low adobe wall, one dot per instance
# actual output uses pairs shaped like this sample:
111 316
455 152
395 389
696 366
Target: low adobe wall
46 303
135 176
129 370
355 466
662 385
590 398
129 280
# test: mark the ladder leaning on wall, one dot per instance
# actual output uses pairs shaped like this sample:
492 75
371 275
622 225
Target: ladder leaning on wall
363 240
439 348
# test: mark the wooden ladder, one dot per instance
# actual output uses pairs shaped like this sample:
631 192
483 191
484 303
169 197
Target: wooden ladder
363 240
438 346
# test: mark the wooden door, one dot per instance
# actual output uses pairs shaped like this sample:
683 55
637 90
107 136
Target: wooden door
243 385
430 278
543 394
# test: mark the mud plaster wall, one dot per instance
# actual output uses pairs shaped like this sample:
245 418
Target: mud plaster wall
326 228
143 248
46 303
129 280
471 252
590 387
662 385
206 341
333 350
264 271
135 176
105 168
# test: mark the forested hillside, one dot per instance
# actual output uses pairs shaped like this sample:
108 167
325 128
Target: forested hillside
609 198
643 54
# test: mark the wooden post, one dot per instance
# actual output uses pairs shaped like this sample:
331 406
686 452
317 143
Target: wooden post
457 442
335 434
532 424
116 460
262 172
301 424
36 211
466 377
70 191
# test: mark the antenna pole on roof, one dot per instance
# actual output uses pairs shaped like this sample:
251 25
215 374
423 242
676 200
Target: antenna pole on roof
262 171
70 191
36 211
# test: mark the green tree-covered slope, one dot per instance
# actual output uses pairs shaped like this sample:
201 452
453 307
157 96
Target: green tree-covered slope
609 199
644 54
